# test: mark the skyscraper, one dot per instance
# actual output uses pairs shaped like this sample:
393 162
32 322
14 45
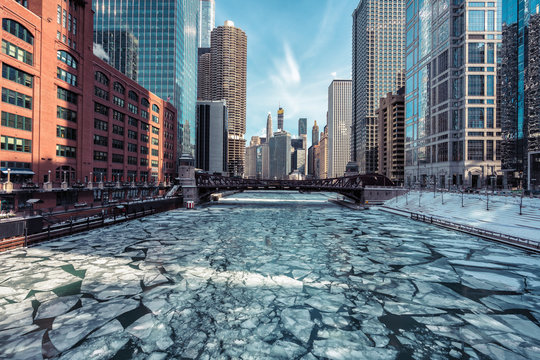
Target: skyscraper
451 137
280 155
168 69
517 103
121 51
269 132
229 72
377 68
211 144
204 77
315 134
302 126
280 117
207 22
339 125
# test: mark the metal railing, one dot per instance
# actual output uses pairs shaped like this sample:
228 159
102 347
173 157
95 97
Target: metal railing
491 235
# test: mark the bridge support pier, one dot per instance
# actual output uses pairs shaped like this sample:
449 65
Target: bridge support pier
186 178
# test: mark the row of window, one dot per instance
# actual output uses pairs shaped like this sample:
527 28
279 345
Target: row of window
66 151
15 144
18 30
16 121
66 114
66 132
18 53
66 76
16 98
16 75
66 58
66 20
119 158
67 95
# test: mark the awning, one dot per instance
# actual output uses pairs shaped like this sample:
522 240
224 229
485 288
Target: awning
34 201
18 171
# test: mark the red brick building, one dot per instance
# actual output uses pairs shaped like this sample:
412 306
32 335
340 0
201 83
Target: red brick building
66 112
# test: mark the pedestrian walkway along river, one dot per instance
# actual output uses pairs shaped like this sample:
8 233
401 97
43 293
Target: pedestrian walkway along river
270 275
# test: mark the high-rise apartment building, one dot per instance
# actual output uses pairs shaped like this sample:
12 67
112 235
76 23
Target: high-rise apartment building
451 136
167 36
229 76
207 22
339 126
519 101
391 127
280 155
280 118
212 134
378 45
204 77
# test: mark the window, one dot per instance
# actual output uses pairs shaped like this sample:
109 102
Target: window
133 96
145 126
16 29
476 150
131 160
144 150
64 18
476 20
15 144
66 76
66 132
67 95
117 158
132 147
155 108
101 78
155 163
489 118
132 121
144 138
155 130
144 114
490 85
476 118
145 102
59 14
118 116
155 152
119 88
118 102
16 98
16 52
155 119
74 30
101 109
144 162
16 75
66 151
155 141
476 53
66 114
132 134
16 121
491 53
476 85
66 58
99 92
489 150
133 108
101 156
101 140
118 144
118 130
101 125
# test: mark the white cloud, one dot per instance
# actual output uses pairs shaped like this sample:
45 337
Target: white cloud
287 69
100 52
333 74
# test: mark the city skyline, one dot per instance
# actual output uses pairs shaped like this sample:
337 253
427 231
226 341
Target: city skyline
291 68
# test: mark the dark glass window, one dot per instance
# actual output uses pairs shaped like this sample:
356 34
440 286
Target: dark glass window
18 53
66 58
101 109
67 95
66 132
101 78
119 88
101 155
16 121
15 144
15 28
133 96
101 140
16 98
66 151
16 75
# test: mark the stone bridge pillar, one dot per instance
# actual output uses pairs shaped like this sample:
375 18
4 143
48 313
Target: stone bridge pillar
186 177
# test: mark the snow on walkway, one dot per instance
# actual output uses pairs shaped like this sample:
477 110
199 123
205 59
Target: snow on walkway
502 217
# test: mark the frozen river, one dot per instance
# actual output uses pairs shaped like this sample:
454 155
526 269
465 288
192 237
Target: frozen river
267 275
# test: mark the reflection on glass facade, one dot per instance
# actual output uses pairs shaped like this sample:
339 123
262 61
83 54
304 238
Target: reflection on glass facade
166 31
451 91
207 22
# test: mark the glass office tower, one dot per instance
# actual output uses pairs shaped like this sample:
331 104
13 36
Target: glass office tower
167 34
451 136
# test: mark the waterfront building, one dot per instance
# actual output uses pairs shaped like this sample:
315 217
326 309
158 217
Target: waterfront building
280 118
377 68
519 103
339 125
315 134
321 156
280 155
204 74
254 153
207 22
451 136
167 51
298 155
67 116
229 74
212 136
391 127
121 50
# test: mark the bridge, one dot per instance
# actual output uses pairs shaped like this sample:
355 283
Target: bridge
352 187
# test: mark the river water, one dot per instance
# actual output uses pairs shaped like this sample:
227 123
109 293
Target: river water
270 275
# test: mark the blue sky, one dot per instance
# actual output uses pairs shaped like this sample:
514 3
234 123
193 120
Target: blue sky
295 49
